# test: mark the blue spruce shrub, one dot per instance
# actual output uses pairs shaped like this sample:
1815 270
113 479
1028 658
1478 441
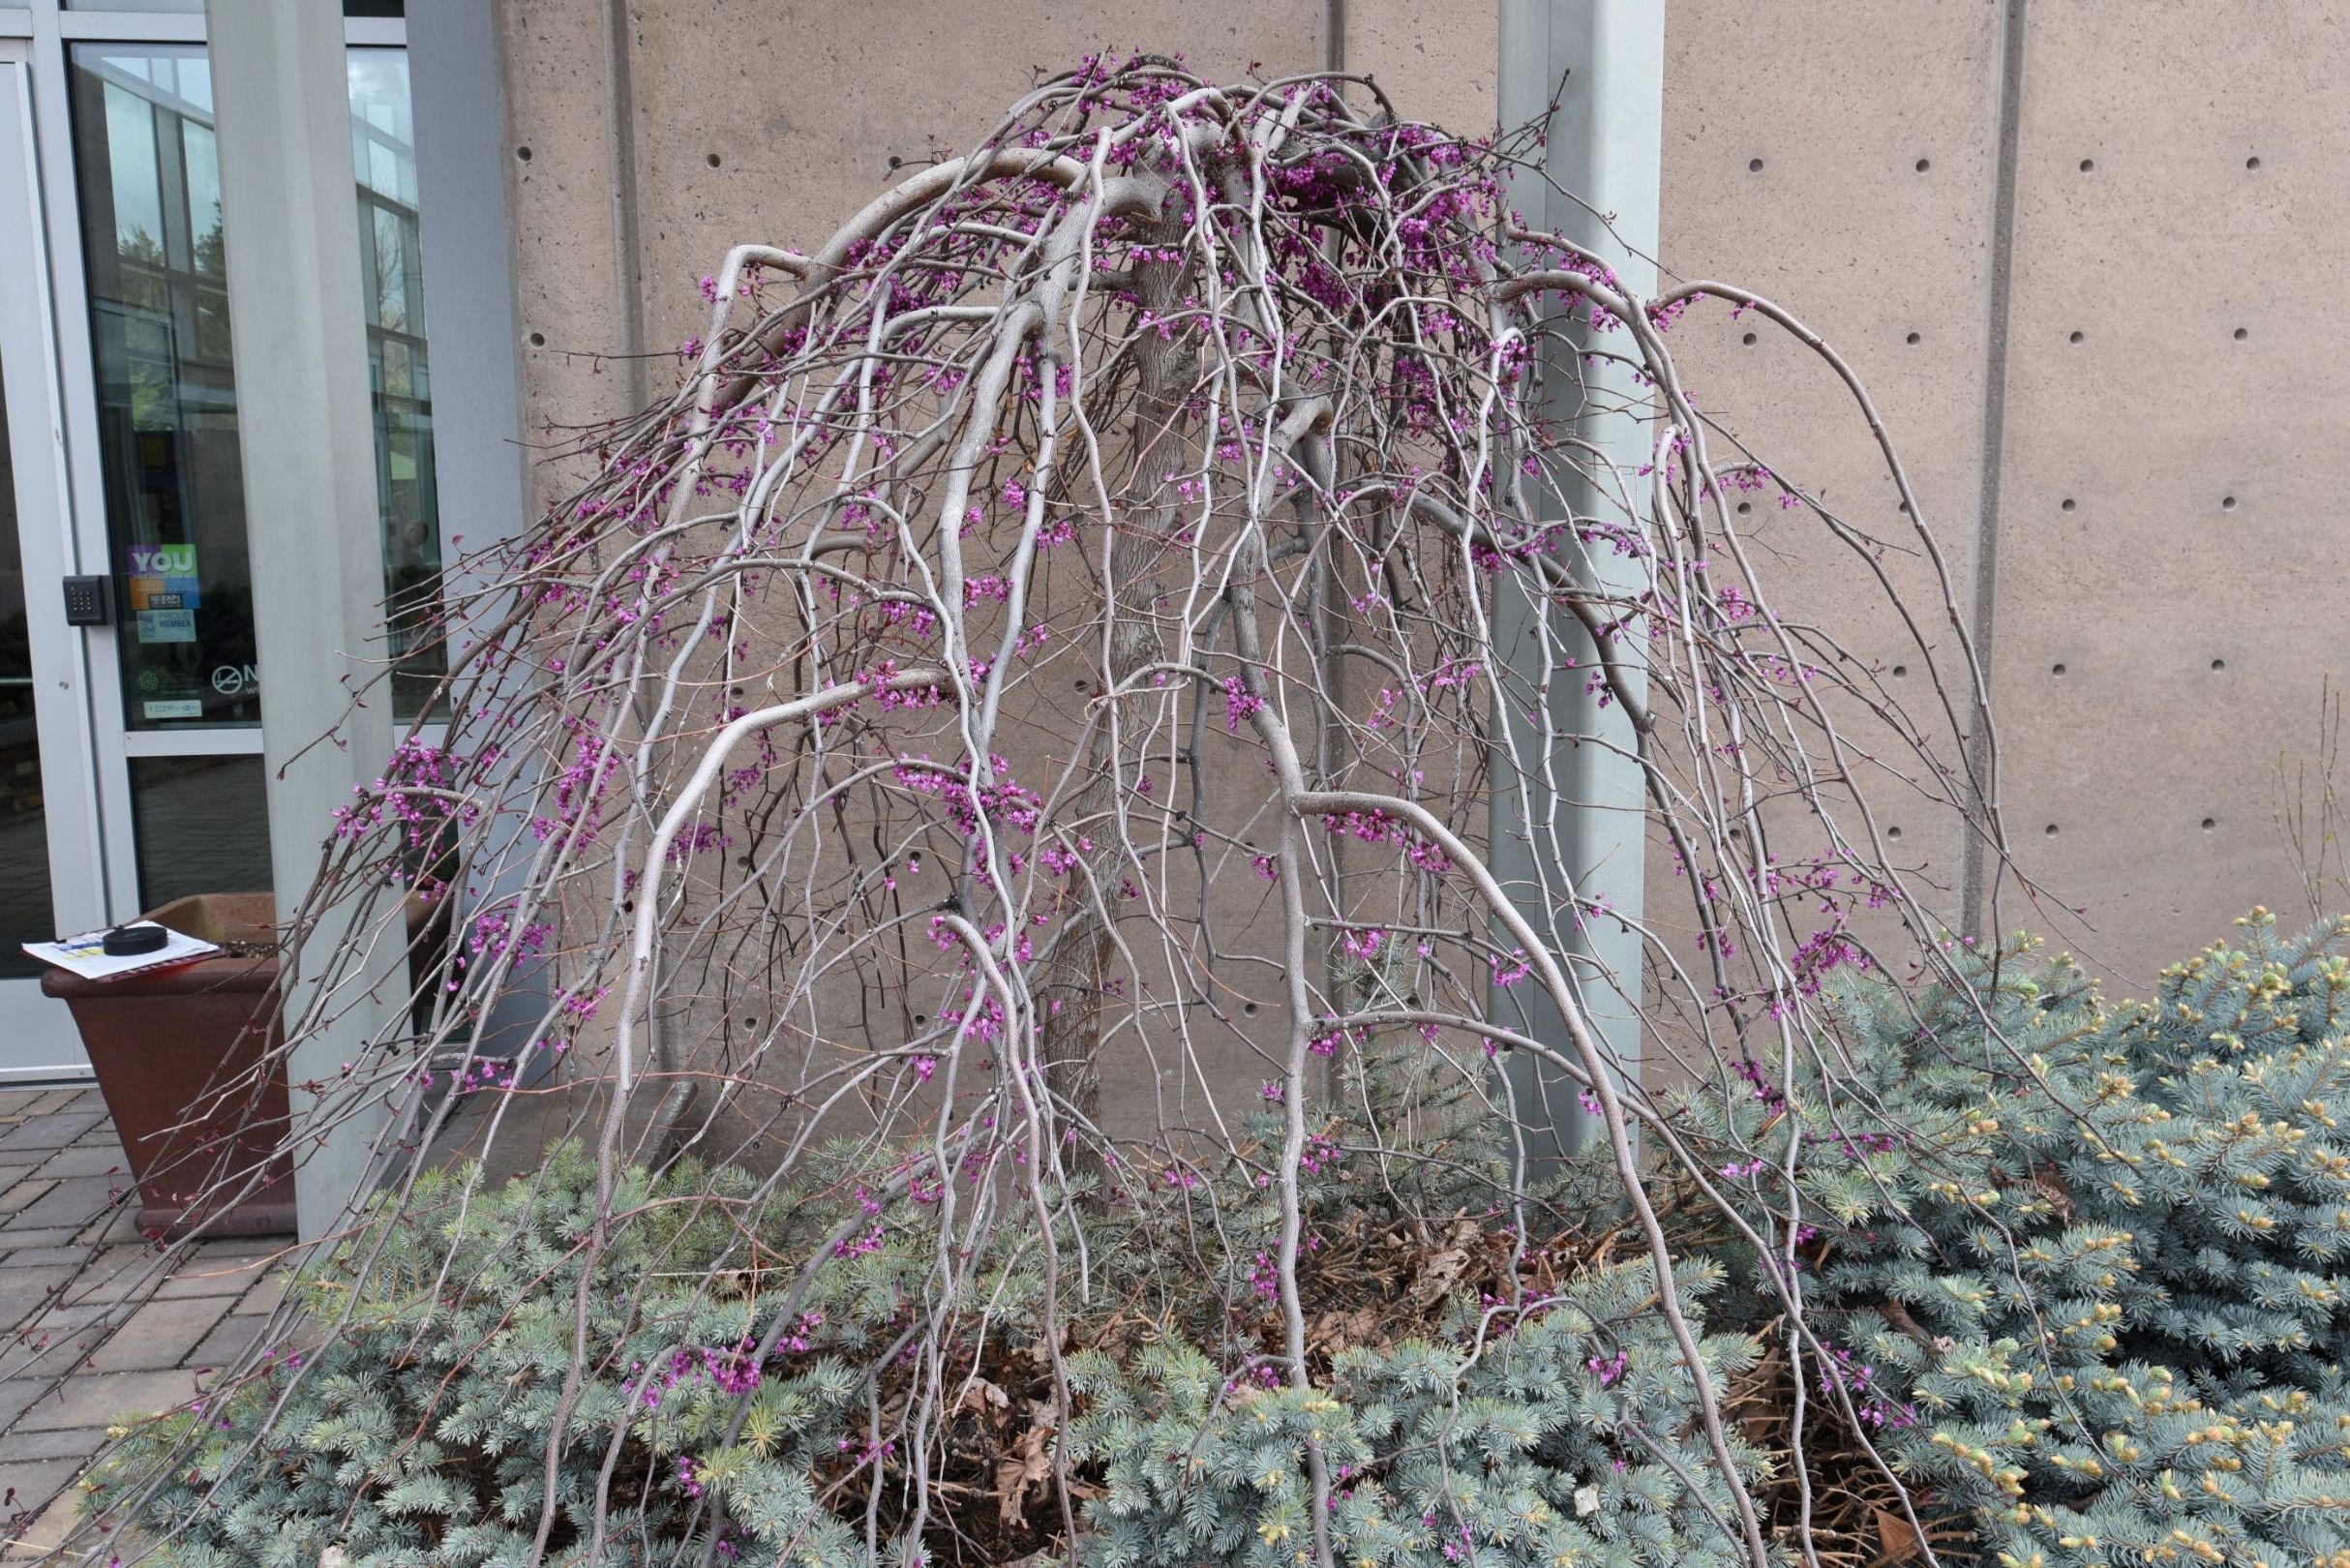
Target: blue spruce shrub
1477 1397
413 1431
2075 1269
2072 1273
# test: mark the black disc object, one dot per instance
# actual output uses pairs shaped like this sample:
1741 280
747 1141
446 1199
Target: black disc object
128 941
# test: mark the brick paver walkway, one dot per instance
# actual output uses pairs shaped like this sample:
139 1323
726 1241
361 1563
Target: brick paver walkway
71 1268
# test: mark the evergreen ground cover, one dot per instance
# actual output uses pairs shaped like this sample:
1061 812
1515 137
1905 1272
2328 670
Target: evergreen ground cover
2068 1276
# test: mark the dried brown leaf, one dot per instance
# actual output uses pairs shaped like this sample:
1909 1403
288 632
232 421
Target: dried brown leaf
1899 1543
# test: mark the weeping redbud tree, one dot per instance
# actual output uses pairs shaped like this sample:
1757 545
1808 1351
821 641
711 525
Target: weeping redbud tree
993 798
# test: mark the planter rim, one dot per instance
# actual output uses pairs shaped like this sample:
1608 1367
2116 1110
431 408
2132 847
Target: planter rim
206 975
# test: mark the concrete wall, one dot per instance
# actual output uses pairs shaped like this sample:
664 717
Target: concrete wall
2165 519
2192 592
670 130
1845 157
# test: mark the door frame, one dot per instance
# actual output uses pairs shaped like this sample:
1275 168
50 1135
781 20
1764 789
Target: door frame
38 1040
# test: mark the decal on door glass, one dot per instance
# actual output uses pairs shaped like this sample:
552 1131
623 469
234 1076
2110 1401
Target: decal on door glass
163 593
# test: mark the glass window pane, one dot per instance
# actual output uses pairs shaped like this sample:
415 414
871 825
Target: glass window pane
139 202
205 196
167 395
25 909
150 184
383 152
201 825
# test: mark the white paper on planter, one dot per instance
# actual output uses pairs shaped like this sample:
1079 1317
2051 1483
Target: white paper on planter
86 955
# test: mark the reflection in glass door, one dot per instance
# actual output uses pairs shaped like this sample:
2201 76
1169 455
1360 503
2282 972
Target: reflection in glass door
51 880
150 193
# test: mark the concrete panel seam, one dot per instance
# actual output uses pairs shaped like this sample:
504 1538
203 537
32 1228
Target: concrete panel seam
1981 758
627 281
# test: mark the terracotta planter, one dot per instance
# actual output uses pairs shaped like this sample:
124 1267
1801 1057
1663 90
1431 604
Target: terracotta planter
165 1046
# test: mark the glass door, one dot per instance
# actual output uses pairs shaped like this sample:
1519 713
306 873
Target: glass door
51 879
153 269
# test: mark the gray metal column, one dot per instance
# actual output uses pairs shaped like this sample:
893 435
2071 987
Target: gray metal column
457 88
1606 61
458 102
307 437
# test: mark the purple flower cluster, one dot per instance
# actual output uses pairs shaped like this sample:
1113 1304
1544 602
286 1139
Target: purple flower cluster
730 1369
